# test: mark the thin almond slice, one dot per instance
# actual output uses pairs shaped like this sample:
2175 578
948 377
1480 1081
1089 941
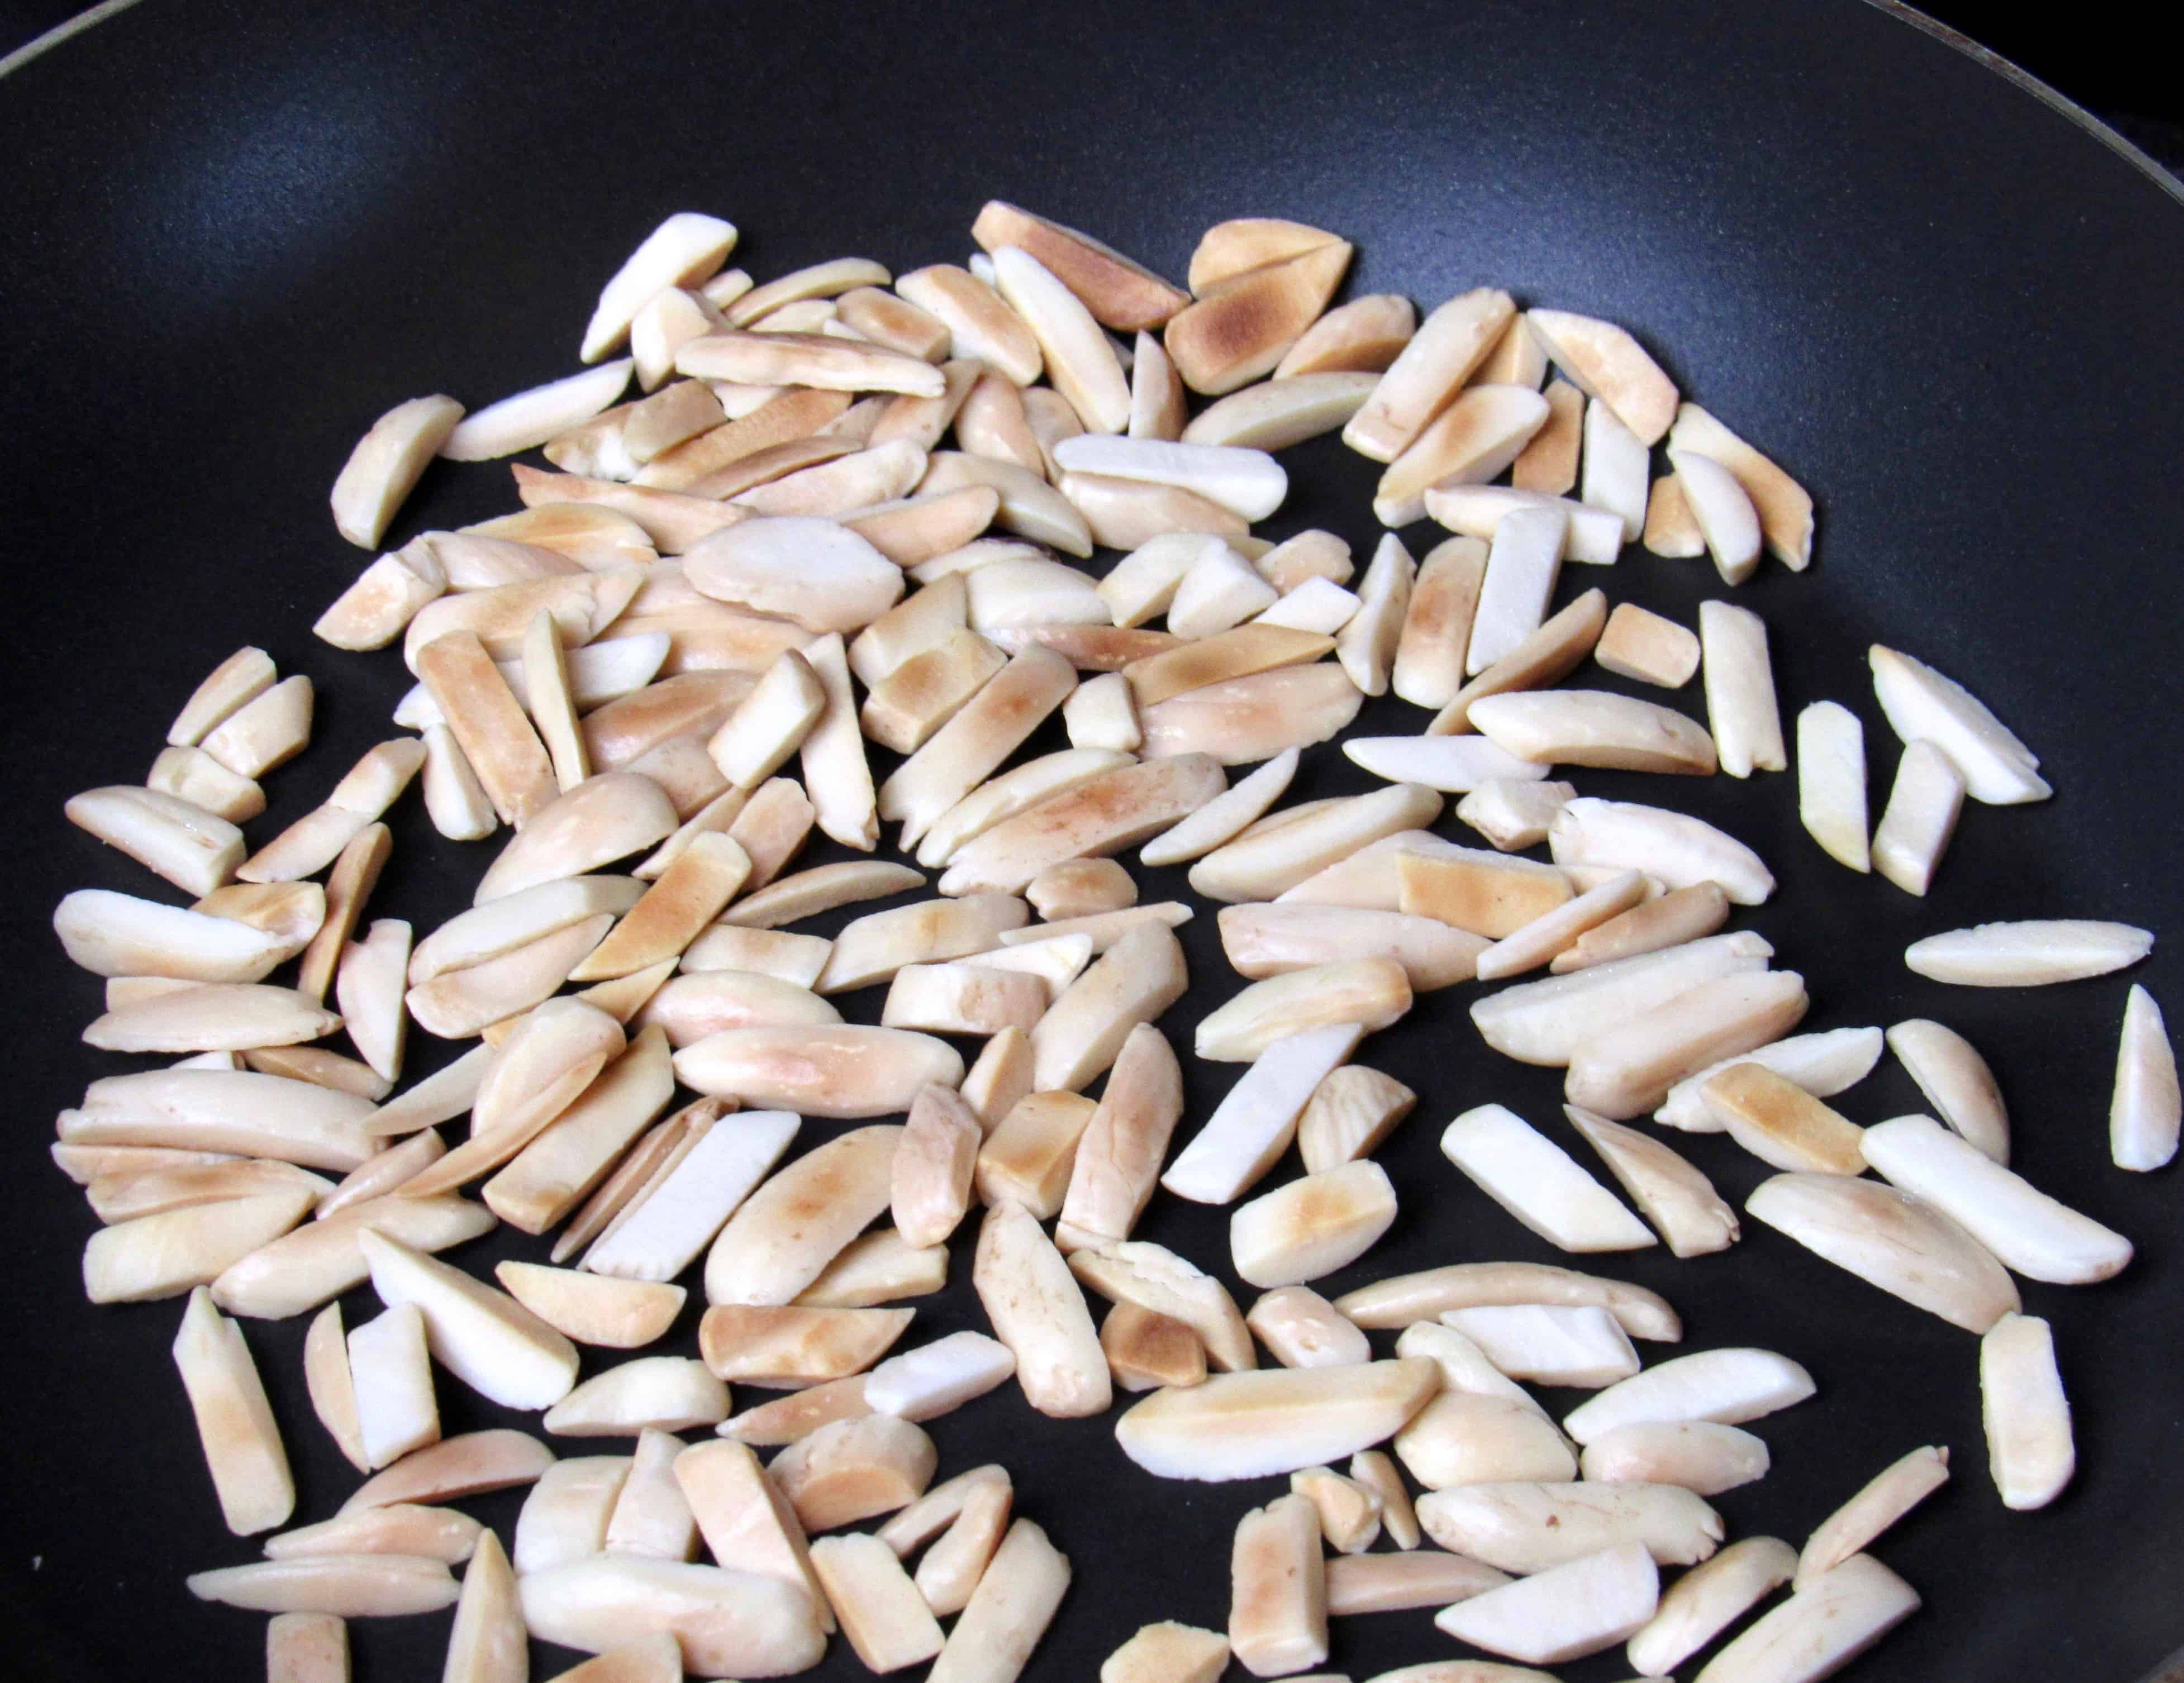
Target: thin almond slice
505 925
1893 1492
827 280
1527 1528
1100 814
1630 1069
2027 954
1301 1329
1728 1386
179 1249
1133 982
1832 783
1556 929
617 1314
1536 1181
1919 702
400 1528
1394 1583
379 606
1017 590
1821 1628
1552 1021
1674 1195
653 1393
1254 1124
186 845
770 1250
1158 1281
1228 249
1548 465
684 250
1143 583
823 577
1274 414
1679 850
1038 1310
1785 510
1739 690
1370 992
887 1622
1267 861
853 479
235 1422
843 1070
1250 1424
1365 335
1102 928
239 1112
1119 1153
700 1182
1491 895
1013 792
1707 1600
724 1620
1226 815
342 1586
483 1336
1350 1112
1557 648
1782 1125
1920 818
1277 1607
1249 483
495 737
1031 1152
656 1658
2030 1232
1890 1239
1312 1226
1147 1350
1407 1299
805 358
1449 345
797 958
1591 727
1241 329
606 818
1089 648
1605 363
1680 915
1704 1456
886 320
1470 442
2143 1111
487 1643
1824 1064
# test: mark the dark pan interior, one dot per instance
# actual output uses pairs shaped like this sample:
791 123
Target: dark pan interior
236 233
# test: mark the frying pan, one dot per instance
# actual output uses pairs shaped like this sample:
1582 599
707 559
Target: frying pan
238 232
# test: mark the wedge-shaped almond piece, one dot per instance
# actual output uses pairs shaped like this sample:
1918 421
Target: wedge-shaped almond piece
581 604
1249 483
1605 363
1249 1424
1133 982
1030 507
565 1515
1080 887
1365 335
1147 1350
1678 850
1242 328
1316 606
872 948
1405 1298
1471 442
1368 644
1490 894
1078 358
934 1159
484 1337
1118 1155
1282 852
1119 293
166 1255
879 1268
1274 414
464 1002
1824 1626
1832 783
795 959
1920 818
235 1422
531 418
667 518
304 1268
1555 648
724 1620
1255 1122
238 1112
2027 954
1008 1613
1644 646
1156 400
906 706
1707 1600
1556 929
401 1528
745 1518
1536 1181
186 845
913 530
938 1378
1739 690
1271 940
1158 1281
1671 919
1526 1528
1591 727
237 681
1630 1068
684 250
1429 663
650 1517
1891 1240
2030 1449
1228 249
1955 1080
887 1622
1167 1652
781 1237
605 817
1038 1310
2143 1111
1369 993
467 1465
1702 1456
1785 511
392 1376
378 607
1675 1195
2029 1231
1312 1226
775 358
1001 1075
1574 1346
1030 1155
678 1216
1393 1583
1430 370
1919 702
1564 1612
820 281
387 463
1726 1387
489 1642
653 1393
854 1469
976 740
617 1314
344 1586
1013 792
1105 813
656 1658
821 575
118 935
1780 1124
125 1194
213 1017
682 901
1233 653
1217 591
453 797
980 324
1893 1492
1278 1604
1349 1112
849 479
1303 1329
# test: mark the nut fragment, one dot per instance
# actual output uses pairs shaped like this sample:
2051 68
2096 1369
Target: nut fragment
1037 1309
1312 1226
1955 1079
1241 1426
1537 1182
1920 819
1449 345
1891 1494
1605 363
1564 1612
1278 1606
1241 329
1119 1155
235 1422
1782 1125
1525 1528
2143 1113
1405 1299
1008 1613
1822 1627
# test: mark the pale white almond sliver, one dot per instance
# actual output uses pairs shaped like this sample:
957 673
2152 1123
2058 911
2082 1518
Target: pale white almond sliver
1536 1181
2143 1113
2028 955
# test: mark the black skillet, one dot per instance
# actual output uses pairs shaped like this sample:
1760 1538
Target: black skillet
236 233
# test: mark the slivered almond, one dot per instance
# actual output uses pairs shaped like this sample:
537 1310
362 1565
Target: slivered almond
1371 992
1616 464
1119 293
1782 1124
1739 689
1393 1583
1243 721
1274 414
1312 1226
469 1464
1554 650
920 621
1228 249
342 1586
1226 815
991 422
469 562
1368 643
1708 1599
179 1249
979 323
496 738
1893 1492
2030 1451
1821 1627
721 1617
1785 510
1124 513
1537 1182
873 947
1723 513
235 682
1526 1528
1680 850
1318 605
378 607
531 418
1891 1240
400 1528
827 279
565 1515
236 1112
1701 1456
800 1413
2143 1111
856 479
1278 1606
924 421
1147 1350
1014 791
1605 363
806 359
1240 1426
1630 1068
974 742
1554 930
1491 895
877 1270
235 1424
778 437
1158 1281
1367 334
320 1260
1081 887
1002 1075
684 250
386 464
1644 646
1031 591
1407 1299
1030 506
938 1378
598 538
788 1347
1301 1329
1579 727
1008 1612
1101 715
605 817
1428 669
1038 1310
887 1622
1573 1346
1675 1197
1431 368
1548 464
1167 1652
1089 648
1078 358
393 1375
1141 586
453 796
1242 328
2027 954
1217 590
1565 1612
1248 483
1349 1112
118 935
192 775
1955 1079
797 958
1108 811
1029 1155
152 1190
669 318
914 529
186 845
963 998
671 521
484 1337
1471 442
1920 818
887 319
618 1314
1156 399
1120 1150
1592 535
1832 783
1255 1122
369 988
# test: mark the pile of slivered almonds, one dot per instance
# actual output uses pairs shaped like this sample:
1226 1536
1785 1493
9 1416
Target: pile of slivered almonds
624 671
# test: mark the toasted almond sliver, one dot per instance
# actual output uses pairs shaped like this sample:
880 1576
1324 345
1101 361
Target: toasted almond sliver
1739 690
1228 249
235 682
1680 915
235 1422
1630 1068
1780 1124
1605 362
1370 992
1079 359
963 998
887 1622
467 1465
815 359
1536 1181
980 324
820 281
1277 1607
780 435
1554 931
1365 335
1030 1153
1723 513
685 249
1832 783
1431 368
1785 511
1158 1279
590 1309
1240 1426
1118 1156
1001 1076
1008 1613
2027 954
1674 1195
1244 720
1038 1310
605 817
179 1250
1492 895
872 948
672 521
1824 1064
1549 463
974 743
723 1618
1030 507
1550 653
1242 328
495 737
387 463
1470 442
854 1469
920 621
1393 1583
1147 1350
1119 293
1349 1112
877 1270
1274 414
1133 982
1107 812
191 847
1312 1226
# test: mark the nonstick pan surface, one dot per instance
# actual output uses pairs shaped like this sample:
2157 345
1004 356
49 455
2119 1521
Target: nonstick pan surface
236 233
